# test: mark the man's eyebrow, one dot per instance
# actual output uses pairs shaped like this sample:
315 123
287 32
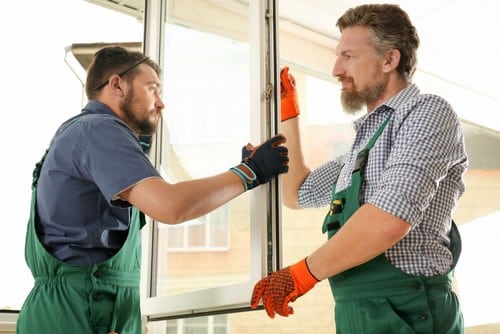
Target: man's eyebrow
154 82
157 85
343 52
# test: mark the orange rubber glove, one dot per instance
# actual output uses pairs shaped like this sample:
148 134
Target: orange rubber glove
283 287
289 101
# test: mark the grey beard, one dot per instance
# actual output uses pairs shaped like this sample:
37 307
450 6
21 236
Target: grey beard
354 101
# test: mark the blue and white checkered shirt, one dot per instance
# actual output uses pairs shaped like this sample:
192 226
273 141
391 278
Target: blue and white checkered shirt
414 171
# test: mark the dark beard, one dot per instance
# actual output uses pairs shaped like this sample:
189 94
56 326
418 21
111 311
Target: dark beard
142 127
353 101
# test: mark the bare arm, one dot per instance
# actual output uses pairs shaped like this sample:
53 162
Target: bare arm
179 202
350 246
176 203
298 170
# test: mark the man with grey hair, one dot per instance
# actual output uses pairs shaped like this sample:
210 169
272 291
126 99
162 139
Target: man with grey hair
392 245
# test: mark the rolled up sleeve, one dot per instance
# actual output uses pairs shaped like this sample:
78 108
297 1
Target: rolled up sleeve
428 144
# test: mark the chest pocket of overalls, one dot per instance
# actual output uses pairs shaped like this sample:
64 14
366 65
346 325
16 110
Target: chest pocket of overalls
334 219
342 206
346 202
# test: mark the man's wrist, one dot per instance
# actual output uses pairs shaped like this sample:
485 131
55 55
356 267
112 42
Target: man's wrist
303 276
246 174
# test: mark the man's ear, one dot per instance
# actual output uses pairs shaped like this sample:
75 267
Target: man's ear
392 59
115 84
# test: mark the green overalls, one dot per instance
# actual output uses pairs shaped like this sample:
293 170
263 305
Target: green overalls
98 299
378 298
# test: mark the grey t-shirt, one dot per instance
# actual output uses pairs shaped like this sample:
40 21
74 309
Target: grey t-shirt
92 158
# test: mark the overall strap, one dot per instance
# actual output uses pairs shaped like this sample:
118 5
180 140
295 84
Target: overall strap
36 171
361 160
346 202
38 166
362 157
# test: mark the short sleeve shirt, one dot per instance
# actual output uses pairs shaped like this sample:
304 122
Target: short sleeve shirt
414 171
92 158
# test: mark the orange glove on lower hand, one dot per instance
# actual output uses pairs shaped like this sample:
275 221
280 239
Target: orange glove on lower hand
289 101
282 287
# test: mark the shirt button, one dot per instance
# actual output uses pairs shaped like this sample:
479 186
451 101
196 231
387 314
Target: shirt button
424 317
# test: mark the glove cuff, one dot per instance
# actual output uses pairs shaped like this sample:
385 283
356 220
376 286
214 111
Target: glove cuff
289 103
247 175
303 277
289 107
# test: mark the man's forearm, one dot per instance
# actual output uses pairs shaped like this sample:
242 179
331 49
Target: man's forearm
368 233
298 170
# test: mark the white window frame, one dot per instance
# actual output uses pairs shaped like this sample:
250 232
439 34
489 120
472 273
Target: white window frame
209 327
264 224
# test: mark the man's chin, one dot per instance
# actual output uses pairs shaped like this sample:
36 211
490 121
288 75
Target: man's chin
351 111
351 106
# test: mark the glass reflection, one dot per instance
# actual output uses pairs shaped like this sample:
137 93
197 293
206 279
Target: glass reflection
206 91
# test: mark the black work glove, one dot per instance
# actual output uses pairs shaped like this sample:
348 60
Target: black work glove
262 163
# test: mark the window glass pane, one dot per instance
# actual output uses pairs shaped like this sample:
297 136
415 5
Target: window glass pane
205 124
218 233
220 320
196 235
216 324
478 215
174 236
46 47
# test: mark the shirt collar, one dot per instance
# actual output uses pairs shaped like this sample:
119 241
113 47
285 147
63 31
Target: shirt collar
390 105
96 107
402 97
